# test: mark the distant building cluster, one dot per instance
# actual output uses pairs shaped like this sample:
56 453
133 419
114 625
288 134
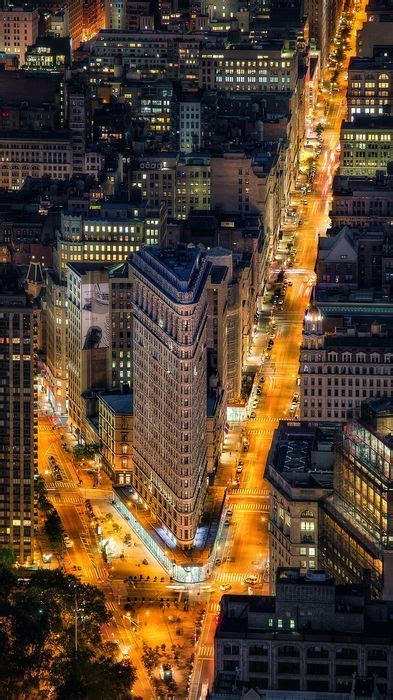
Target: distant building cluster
148 154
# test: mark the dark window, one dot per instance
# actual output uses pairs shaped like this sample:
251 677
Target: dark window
258 666
288 651
317 669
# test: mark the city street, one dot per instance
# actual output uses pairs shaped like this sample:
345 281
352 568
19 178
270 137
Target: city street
246 546
144 608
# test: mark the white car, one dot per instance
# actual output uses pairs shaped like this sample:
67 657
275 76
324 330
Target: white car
225 587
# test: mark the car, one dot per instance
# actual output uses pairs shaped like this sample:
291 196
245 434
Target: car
290 283
225 587
267 356
166 672
239 469
227 523
305 202
253 414
68 544
295 398
251 579
217 562
262 380
145 562
229 513
259 391
270 343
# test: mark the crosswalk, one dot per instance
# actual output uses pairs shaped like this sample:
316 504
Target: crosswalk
95 573
234 577
251 506
214 607
251 491
69 499
53 484
261 432
205 651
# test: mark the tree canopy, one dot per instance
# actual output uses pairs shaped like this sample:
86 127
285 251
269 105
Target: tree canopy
38 658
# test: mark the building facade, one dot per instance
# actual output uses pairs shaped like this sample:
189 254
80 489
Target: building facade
18 422
115 430
341 369
170 386
33 155
313 636
299 470
366 145
18 31
356 523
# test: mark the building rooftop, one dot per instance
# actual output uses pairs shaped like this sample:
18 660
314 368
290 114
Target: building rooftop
12 292
372 63
119 402
179 272
301 456
343 185
369 122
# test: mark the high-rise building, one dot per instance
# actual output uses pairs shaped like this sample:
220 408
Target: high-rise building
88 339
356 530
299 470
17 416
170 386
75 22
314 636
370 82
18 31
343 365
366 145
93 18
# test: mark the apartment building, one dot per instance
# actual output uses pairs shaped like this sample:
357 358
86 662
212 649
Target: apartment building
170 386
299 469
356 259
190 125
33 155
18 416
362 202
355 523
115 431
374 36
74 17
18 31
345 359
161 54
181 183
271 67
366 145
313 637
370 87
119 365
87 341
109 233
56 330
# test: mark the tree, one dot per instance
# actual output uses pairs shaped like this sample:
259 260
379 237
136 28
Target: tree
37 652
86 451
100 677
53 527
319 129
42 496
7 556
